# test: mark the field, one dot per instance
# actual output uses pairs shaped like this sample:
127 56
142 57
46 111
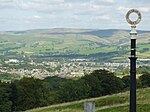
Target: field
113 103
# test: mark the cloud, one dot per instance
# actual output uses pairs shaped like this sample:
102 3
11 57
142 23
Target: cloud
35 5
6 1
48 1
103 2
7 4
125 9
90 9
145 9
109 1
52 16
44 7
58 6
122 9
75 17
37 17
103 17
70 13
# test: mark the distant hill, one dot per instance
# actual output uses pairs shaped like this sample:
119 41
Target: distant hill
113 103
110 32
95 32
61 42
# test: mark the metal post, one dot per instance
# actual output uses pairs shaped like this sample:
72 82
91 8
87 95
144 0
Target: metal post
133 72
133 58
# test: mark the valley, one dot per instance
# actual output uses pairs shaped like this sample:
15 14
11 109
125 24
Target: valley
69 52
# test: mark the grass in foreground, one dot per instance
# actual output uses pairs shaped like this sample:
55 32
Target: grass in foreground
113 103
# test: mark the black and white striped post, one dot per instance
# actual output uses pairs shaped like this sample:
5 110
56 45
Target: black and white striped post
133 58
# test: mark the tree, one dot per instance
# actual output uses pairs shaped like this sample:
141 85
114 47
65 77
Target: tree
95 85
73 90
126 81
103 82
5 102
111 84
30 93
145 79
55 82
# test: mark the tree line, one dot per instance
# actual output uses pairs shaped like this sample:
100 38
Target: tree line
28 93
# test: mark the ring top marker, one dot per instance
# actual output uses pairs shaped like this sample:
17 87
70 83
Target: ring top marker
137 20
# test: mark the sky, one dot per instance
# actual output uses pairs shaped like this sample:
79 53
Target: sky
84 14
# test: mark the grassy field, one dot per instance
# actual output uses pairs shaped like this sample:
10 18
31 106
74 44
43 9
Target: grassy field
113 103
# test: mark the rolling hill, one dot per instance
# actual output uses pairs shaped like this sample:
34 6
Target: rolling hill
113 103
63 42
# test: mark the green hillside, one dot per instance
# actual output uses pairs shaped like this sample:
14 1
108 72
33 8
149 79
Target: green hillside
113 103
51 42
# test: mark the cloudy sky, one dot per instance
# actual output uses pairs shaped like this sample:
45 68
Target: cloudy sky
93 14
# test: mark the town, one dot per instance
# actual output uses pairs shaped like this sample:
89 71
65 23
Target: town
69 68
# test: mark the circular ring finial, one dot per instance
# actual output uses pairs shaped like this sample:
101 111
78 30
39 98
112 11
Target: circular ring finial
130 12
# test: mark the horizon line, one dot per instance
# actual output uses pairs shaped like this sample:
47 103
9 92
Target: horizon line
71 28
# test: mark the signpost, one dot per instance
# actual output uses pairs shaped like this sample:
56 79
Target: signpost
133 57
